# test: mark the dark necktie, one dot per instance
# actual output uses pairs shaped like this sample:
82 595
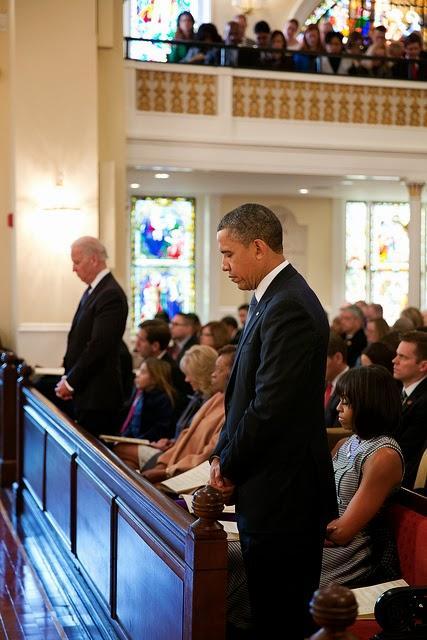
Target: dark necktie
328 392
253 303
404 397
84 297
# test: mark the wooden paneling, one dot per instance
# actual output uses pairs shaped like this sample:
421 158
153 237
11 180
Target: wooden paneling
59 463
93 530
141 570
34 437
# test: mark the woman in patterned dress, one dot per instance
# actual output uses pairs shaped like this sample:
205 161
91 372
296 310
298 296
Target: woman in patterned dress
368 468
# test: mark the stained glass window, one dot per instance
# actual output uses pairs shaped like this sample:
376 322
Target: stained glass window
399 18
162 256
155 19
377 254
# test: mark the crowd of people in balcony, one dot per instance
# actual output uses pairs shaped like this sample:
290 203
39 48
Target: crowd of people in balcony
318 48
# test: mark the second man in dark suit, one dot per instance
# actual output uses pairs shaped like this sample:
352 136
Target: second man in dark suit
93 377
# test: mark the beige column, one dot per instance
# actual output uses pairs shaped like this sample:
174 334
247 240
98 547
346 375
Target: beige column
414 294
53 67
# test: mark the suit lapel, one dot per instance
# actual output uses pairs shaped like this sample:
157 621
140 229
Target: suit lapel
417 393
90 301
276 285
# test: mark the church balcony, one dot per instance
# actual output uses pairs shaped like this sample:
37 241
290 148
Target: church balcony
223 118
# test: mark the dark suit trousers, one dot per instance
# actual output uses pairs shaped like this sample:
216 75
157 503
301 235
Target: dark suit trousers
283 571
97 422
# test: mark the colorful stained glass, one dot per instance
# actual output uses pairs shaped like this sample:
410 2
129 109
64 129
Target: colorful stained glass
356 250
162 256
377 254
399 18
155 19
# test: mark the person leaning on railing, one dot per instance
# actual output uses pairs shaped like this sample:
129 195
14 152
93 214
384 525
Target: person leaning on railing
184 32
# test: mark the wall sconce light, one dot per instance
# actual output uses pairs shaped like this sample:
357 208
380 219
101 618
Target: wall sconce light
58 199
248 6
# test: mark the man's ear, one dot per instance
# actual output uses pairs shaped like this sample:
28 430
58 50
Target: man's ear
261 248
423 366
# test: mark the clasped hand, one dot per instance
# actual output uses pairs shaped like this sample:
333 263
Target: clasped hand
217 480
62 391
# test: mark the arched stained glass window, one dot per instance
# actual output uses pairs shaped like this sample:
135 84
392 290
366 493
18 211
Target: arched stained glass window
399 17
162 256
155 19
377 254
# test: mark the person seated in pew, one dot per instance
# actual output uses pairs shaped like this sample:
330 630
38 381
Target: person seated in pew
368 469
336 366
150 415
197 364
195 444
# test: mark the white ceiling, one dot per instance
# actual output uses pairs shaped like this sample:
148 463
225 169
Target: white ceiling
188 183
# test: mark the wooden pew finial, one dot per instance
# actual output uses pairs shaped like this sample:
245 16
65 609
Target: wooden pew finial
208 505
334 608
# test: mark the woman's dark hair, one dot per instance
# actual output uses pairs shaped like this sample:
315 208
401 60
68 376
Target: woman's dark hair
379 353
178 32
374 398
276 33
208 31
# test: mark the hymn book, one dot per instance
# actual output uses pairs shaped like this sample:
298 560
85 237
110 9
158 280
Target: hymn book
108 438
366 597
189 480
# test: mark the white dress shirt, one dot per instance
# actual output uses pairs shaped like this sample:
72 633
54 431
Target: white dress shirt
268 279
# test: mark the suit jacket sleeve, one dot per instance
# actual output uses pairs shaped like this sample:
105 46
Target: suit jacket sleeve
290 344
107 330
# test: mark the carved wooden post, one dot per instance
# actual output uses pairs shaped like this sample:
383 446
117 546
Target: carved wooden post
208 564
23 373
7 418
334 608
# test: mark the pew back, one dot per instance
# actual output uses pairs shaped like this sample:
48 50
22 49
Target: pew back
154 573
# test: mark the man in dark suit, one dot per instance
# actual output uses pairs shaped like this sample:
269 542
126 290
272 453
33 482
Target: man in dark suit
353 323
272 457
336 366
410 367
92 361
184 327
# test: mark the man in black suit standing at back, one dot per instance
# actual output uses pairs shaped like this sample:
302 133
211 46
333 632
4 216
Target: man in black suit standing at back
92 361
272 457
410 368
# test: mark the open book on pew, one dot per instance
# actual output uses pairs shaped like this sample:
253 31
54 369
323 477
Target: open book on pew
230 528
49 371
189 480
366 597
108 438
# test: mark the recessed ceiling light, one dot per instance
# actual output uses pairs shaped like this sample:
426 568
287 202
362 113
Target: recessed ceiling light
303 191
134 185
387 178
161 176
356 177
347 183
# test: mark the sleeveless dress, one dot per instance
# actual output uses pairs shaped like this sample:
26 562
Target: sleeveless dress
351 564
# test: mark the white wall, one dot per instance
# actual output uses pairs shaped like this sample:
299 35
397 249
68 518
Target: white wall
54 92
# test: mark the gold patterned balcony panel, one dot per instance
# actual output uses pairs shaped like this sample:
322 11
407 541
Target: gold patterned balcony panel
164 91
329 102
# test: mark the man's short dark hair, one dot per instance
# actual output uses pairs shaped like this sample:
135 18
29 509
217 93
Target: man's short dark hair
413 38
381 28
230 321
243 307
337 345
251 222
419 339
262 27
295 21
157 331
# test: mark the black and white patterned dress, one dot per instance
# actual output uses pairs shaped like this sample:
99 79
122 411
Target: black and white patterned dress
351 564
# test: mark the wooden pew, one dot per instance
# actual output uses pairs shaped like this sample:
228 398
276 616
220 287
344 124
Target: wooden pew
8 376
155 572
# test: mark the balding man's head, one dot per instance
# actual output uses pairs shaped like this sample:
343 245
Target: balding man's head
89 257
